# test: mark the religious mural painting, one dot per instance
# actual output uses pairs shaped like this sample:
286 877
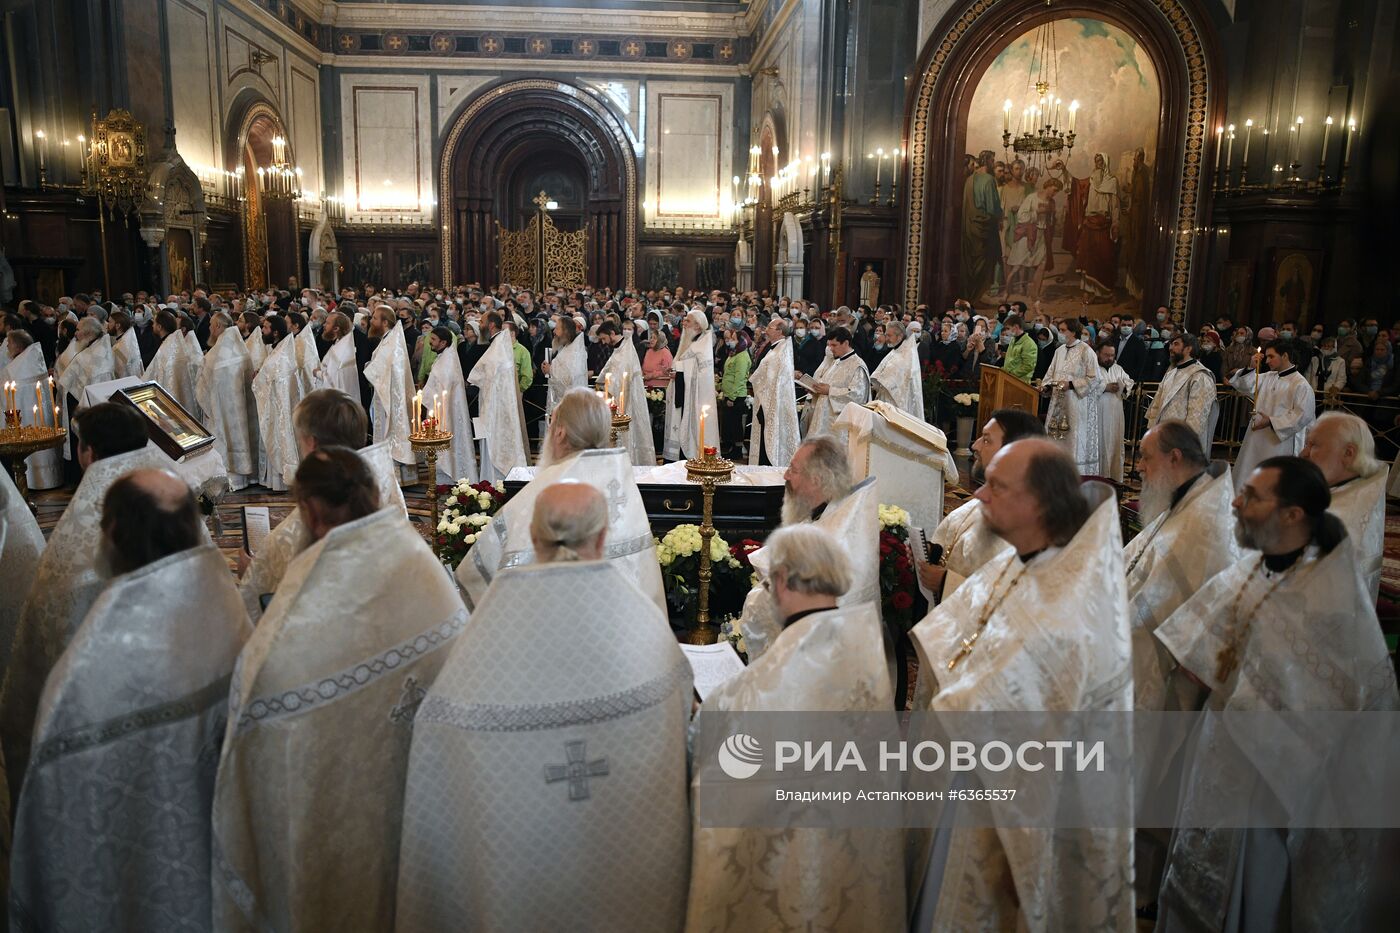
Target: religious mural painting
1236 290
1071 228
179 256
1293 285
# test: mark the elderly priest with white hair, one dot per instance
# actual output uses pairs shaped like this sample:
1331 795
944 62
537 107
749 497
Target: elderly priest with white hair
576 447
1042 626
546 789
818 489
692 389
309 795
325 418
898 379
1292 628
174 366
112 442
112 827
826 657
1342 447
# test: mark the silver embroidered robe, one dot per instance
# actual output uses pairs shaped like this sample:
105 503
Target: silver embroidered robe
695 361
390 373
126 355
1187 393
502 418
277 390
899 379
43 470
1078 405
174 368
309 793
1360 504
458 461
224 392
547 786
624 362
967 542
775 395
1291 405
567 370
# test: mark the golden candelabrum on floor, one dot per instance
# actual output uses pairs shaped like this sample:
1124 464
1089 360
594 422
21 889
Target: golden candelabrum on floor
620 424
709 470
18 442
428 437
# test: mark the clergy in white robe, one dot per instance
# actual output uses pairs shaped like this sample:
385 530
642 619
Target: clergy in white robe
1291 628
1116 386
567 367
691 392
30 373
67 581
1043 626
390 373
458 461
1074 384
174 366
325 418
1187 391
120 786
126 353
899 378
819 490
21 545
1284 405
308 800
1342 447
623 373
498 401
224 393
774 433
576 449
338 370
257 349
828 659
511 748
276 391
91 364
841 379
308 360
196 358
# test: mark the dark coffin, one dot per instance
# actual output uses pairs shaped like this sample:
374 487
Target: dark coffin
739 511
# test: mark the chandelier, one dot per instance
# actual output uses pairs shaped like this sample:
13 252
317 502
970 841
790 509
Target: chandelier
1039 129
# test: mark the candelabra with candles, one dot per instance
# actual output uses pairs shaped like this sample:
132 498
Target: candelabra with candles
19 441
428 435
709 470
617 408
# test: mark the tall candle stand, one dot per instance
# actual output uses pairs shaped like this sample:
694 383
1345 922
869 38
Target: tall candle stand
709 470
19 441
430 440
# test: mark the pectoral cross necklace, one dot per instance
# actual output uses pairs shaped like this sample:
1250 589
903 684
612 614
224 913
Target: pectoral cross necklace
992 606
1237 629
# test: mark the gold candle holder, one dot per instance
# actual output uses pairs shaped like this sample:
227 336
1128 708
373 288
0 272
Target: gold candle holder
709 470
430 440
18 442
620 424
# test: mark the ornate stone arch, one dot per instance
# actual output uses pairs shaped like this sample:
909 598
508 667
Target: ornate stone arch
789 266
173 200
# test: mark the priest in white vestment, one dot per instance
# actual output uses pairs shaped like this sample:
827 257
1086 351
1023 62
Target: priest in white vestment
458 461
66 583
338 369
1284 405
309 793
512 748
276 391
257 347
174 366
623 373
498 401
899 379
567 368
691 392
1116 386
1290 628
112 828
30 373
196 357
91 365
819 490
390 373
1187 391
21 546
774 434
825 658
840 380
224 393
325 418
1043 626
126 353
575 449
308 360
1074 384
1342 447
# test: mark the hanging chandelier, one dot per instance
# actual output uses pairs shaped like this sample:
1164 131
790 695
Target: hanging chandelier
1045 124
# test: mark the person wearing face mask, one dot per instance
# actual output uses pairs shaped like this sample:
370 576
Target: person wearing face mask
1045 351
734 391
1348 346
1131 349
1159 356
1240 351
1329 369
1074 383
809 342
1370 329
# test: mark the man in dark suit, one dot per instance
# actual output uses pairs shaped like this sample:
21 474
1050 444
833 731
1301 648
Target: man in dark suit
201 310
1132 349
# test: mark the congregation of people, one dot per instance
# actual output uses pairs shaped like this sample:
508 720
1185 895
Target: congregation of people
342 736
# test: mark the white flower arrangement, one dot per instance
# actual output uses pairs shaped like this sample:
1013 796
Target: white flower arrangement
466 511
656 395
967 398
892 516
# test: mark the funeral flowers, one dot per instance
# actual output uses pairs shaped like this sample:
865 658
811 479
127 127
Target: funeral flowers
678 552
897 584
466 511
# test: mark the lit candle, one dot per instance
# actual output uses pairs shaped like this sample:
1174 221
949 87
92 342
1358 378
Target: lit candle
418 412
622 397
1248 131
1219 132
704 413
1326 136
1073 112
1298 142
1230 149
607 389
878 163
1006 116
37 422
55 416
1346 150
43 147
38 396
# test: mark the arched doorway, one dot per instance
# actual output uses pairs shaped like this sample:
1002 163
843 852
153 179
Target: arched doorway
527 136
271 246
1177 39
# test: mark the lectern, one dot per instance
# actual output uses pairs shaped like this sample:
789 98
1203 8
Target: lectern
908 457
1000 389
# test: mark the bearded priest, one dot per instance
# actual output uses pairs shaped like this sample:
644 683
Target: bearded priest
1043 626
502 416
568 366
224 393
338 370
774 436
692 390
1342 447
112 442
575 448
174 365
458 461
390 373
623 372
321 714
325 418
127 809
818 490
825 658
276 390
898 379
511 748
90 365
